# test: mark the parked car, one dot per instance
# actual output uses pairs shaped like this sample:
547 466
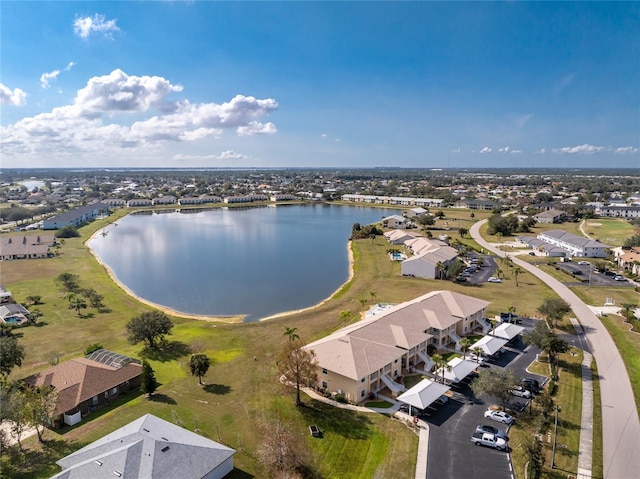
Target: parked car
442 400
531 253
530 384
499 416
584 263
619 278
404 407
486 439
493 279
478 359
520 391
492 430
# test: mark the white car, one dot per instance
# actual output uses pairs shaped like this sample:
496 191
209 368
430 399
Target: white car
584 263
499 416
619 278
520 392
477 359
493 279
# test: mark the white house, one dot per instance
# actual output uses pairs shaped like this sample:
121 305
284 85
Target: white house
394 222
574 245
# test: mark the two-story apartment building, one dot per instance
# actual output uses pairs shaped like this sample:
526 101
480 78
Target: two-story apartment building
575 246
368 356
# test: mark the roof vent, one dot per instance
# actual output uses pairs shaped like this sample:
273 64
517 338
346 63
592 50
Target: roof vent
117 473
145 429
99 463
164 439
165 449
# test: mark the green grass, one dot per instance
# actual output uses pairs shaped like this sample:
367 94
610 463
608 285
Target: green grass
611 231
596 296
597 465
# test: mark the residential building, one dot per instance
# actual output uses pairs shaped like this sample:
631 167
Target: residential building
136 202
85 384
76 217
5 296
477 204
628 259
394 222
574 245
115 202
619 211
550 216
150 448
413 212
164 200
427 264
398 237
26 246
369 356
14 314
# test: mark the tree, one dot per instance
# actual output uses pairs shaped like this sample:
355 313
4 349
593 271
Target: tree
68 231
472 215
495 382
344 316
632 241
373 295
512 312
150 327
34 315
465 344
440 364
77 304
282 453
95 299
148 383
68 281
297 365
516 272
40 404
628 309
33 300
554 309
498 272
91 348
462 232
11 354
479 352
440 268
546 340
199 365
291 333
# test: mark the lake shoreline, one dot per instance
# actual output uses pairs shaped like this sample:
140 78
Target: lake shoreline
233 319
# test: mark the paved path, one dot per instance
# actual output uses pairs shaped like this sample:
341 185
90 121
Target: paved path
585 451
620 423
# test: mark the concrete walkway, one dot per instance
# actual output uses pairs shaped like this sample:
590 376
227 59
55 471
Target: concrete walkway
620 422
585 451
423 441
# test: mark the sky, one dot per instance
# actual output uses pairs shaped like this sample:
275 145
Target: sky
319 84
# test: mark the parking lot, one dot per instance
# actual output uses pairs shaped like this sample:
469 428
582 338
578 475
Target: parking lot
586 272
451 452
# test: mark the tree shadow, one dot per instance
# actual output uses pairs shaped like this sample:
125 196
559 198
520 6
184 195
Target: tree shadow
41 458
166 351
89 315
39 324
217 388
162 398
104 309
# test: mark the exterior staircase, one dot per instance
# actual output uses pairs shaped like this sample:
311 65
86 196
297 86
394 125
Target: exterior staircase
486 326
428 362
391 384
456 338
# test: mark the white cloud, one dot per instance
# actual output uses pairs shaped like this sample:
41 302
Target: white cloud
323 135
541 151
85 26
96 121
516 152
456 150
627 149
225 155
580 149
486 149
17 97
504 150
45 77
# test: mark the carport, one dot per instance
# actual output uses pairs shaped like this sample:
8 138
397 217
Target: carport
489 344
423 394
507 331
457 370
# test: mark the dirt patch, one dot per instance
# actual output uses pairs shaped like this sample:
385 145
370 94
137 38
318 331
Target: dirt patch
594 224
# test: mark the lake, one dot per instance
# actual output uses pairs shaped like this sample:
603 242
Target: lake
255 262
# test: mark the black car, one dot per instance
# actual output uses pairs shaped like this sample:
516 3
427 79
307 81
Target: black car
530 384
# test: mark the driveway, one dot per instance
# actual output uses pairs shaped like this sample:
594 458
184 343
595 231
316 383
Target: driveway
620 422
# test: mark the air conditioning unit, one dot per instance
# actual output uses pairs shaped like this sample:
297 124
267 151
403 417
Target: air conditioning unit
340 391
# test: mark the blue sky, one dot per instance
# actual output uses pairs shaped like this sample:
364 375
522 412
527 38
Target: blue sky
326 84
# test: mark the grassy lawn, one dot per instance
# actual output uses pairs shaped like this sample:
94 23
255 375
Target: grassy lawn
611 231
596 296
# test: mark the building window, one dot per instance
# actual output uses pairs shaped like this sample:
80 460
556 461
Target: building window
362 393
94 400
325 385
106 394
114 391
362 380
324 371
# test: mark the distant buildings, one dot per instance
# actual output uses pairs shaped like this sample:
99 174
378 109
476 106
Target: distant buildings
76 216
561 243
394 200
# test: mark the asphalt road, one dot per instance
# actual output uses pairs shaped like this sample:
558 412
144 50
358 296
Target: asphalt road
620 422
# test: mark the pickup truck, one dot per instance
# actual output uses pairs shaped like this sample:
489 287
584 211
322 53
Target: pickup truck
486 439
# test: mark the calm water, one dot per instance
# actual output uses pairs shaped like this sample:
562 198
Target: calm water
256 262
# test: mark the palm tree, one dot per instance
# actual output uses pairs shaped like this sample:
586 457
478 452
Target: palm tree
344 315
440 267
440 363
628 309
363 302
512 310
516 272
373 295
479 352
77 304
291 333
498 272
199 365
465 343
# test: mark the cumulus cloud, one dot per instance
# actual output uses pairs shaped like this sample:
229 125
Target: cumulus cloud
456 150
45 77
504 150
580 149
89 123
486 149
17 97
516 152
541 151
85 26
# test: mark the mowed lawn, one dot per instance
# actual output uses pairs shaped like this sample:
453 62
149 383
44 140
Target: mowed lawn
611 231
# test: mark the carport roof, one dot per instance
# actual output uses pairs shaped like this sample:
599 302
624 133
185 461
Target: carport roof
459 369
507 331
489 344
423 394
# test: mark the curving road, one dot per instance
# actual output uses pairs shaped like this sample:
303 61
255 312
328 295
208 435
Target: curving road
620 423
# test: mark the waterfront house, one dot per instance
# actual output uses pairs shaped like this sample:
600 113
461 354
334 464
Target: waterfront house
76 217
